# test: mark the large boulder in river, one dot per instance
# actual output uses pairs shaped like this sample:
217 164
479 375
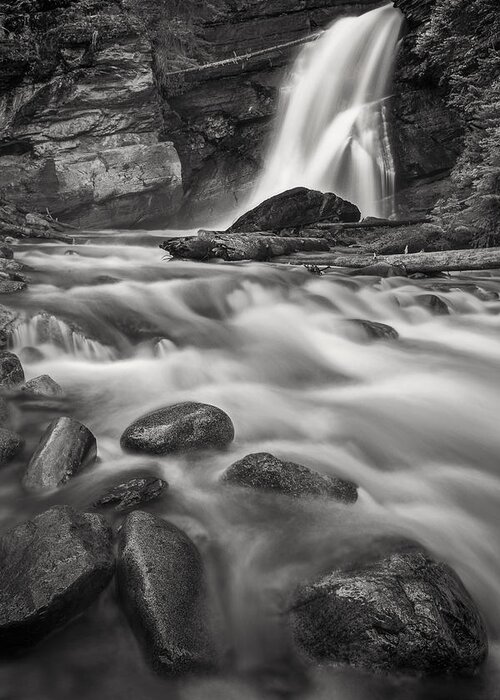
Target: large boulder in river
65 448
51 569
399 611
162 586
262 470
295 208
11 370
180 427
10 445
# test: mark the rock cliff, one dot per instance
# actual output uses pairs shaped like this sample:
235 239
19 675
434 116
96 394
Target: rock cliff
111 116
80 115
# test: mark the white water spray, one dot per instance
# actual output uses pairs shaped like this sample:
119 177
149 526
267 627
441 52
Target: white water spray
332 133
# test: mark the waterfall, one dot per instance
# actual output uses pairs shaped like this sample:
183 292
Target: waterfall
331 133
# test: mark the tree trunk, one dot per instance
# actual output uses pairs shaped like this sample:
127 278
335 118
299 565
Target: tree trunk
441 261
235 246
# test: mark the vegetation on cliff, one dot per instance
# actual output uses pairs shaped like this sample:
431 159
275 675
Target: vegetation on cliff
461 46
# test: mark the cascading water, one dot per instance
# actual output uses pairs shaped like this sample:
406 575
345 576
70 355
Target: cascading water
331 132
412 421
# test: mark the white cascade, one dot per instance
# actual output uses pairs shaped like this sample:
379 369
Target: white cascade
331 132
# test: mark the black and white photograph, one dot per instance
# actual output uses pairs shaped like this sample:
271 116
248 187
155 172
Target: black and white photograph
249 350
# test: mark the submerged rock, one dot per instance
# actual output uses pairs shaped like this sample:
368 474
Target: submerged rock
132 493
433 303
52 568
43 386
180 427
11 370
10 444
161 584
262 470
65 448
375 330
399 611
295 208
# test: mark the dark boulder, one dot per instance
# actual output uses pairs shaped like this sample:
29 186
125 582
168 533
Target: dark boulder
43 386
65 448
132 493
161 584
11 370
433 303
374 330
295 208
399 611
180 427
10 445
52 568
262 470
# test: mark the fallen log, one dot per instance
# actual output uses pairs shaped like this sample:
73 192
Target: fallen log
235 247
368 223
209 235
440 261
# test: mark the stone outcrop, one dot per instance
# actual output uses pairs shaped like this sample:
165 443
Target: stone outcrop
52 568
79 130
132 493
179 428
296 208
66 447
162 586
268 473
401 611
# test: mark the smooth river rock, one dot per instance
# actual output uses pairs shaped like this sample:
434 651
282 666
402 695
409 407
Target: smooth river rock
10 444
11 370
65 448
161 584
132 493
262 470
295 208
180 427
51 569
400 611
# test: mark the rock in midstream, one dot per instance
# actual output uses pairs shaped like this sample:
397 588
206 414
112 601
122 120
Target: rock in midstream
162 586
400 611
52 568
43 386
132 493
433 303
10 444
294 208
11 370
374 330
66 447
262 470
180 427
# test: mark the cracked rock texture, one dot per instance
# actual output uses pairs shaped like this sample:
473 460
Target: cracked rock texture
79 127
403 611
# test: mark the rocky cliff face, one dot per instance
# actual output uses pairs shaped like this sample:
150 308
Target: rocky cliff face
98 113
80 116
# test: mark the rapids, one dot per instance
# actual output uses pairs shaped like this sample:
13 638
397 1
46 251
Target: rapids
331 131
414 422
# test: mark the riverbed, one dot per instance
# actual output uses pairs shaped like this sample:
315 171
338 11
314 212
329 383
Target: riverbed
413 422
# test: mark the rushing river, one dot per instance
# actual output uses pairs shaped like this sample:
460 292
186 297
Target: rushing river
414 422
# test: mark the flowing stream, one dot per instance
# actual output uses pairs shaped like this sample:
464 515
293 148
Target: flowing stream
413 421
331 132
